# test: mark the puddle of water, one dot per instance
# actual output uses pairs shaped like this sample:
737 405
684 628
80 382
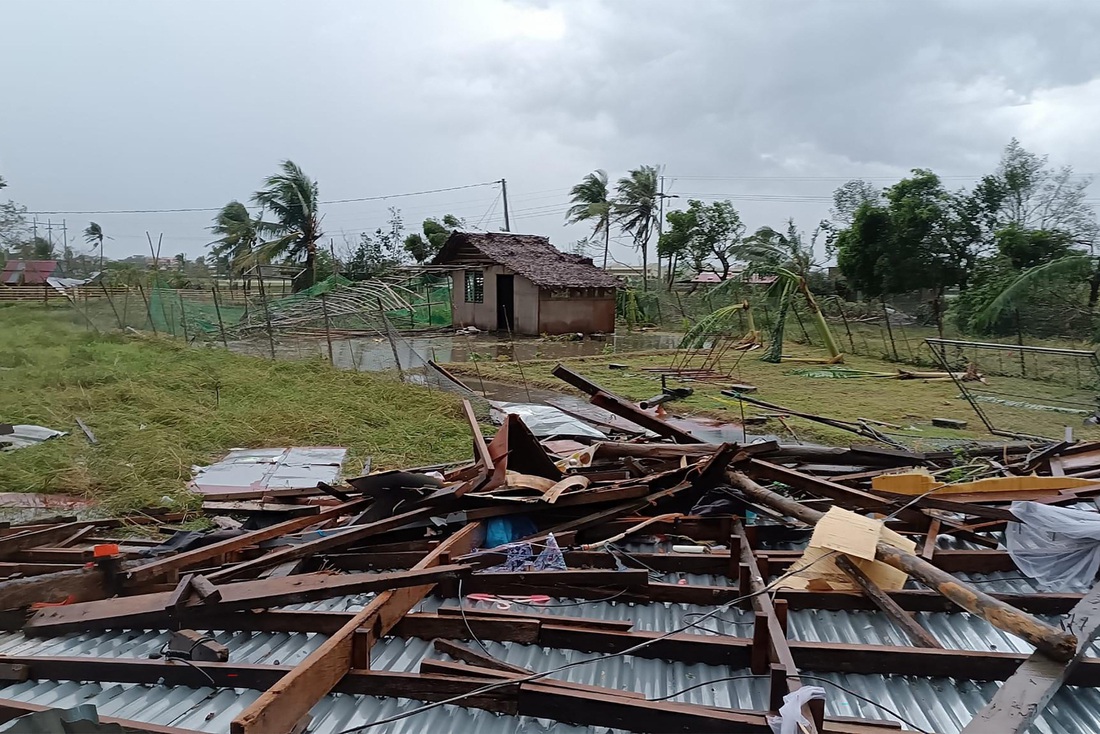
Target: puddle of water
374 354
371 354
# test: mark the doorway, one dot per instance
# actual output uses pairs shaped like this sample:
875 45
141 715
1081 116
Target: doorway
506 303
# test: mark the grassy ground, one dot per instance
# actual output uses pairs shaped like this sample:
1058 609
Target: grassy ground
158 407
908 403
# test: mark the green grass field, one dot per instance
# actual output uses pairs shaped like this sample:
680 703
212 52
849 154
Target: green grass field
908 403
157 408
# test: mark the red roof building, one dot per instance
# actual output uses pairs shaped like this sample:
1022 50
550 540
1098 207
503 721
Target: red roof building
29 272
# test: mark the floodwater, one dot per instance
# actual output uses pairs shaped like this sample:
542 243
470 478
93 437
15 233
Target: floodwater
375 353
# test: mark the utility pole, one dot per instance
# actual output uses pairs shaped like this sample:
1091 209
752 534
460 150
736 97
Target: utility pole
660 226
504 197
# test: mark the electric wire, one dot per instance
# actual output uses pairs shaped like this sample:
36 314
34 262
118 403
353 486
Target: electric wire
800 676
218 208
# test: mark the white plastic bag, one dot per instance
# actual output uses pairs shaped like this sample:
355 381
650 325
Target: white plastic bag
1057 546
790 713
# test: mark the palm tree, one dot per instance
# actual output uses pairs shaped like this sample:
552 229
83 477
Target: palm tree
635 207
291 197
592 201
93 235
786 257
237 239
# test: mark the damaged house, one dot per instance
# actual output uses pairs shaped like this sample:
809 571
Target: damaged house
522 283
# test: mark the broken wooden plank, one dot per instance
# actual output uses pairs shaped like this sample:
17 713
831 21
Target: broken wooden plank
323 544
189 559
624 409
916 634
473 657
284 704
1023 697
481 448
147 610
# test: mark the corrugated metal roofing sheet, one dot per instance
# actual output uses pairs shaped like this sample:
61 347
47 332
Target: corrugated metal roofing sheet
935 705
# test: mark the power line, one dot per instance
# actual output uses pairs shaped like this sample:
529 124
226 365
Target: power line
218 208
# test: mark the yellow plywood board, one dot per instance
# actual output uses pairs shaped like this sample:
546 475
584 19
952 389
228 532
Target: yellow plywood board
919 482
847 532
842 531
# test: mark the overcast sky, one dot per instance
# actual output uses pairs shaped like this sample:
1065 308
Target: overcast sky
167 105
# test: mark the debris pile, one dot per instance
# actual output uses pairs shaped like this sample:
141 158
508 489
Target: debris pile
534 524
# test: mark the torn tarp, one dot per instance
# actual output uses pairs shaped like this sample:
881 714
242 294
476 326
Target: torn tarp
1057 546
544 421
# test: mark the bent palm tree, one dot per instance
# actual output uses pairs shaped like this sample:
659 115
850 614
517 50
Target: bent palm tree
789 260
237 239
93 235
591 201
635 208
291 197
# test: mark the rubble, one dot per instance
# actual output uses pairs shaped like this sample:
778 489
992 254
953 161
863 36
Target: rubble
525 526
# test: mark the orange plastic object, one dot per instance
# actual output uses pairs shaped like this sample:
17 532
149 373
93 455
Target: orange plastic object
46 604
105 550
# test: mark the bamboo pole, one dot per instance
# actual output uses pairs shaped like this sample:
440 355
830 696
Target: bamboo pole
1053 642
218 311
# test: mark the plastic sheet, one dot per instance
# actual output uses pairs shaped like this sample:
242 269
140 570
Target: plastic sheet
1057 546
790 713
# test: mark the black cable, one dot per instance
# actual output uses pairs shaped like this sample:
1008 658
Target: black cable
876 704
707 683
462 611
218 209
538 676
849 691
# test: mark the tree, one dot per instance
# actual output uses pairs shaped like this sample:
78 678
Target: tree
1041 223
1025 192
635 209
424 247
13 222
920 237
93 235
291 198
36 248
378 253
592 202
233 253
849 197
675 243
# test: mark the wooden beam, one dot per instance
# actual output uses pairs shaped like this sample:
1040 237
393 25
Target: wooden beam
284 704
322 544
473 657
181 561
623 408
12 709
1023 697
901 619
78 585
481 449
148 610
13 544
778 650
1054 642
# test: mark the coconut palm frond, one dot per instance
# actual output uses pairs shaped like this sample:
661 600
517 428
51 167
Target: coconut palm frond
1012 295
722 322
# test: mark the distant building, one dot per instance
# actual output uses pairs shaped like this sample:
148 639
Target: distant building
30 272
522 283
